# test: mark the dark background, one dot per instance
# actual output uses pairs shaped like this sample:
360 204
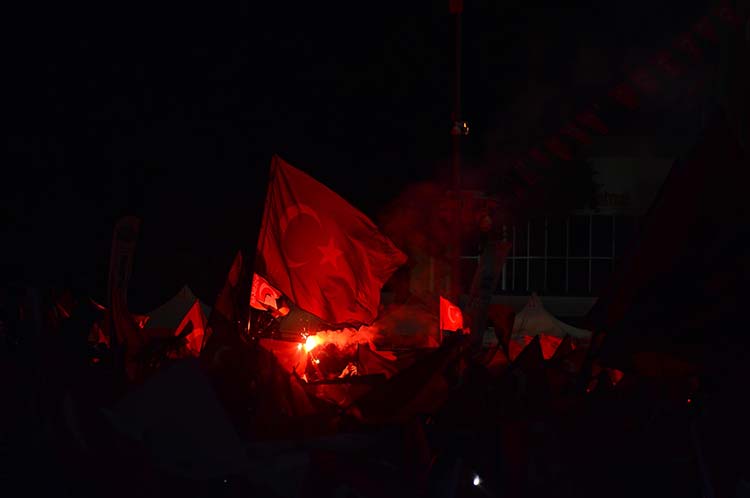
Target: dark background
173 114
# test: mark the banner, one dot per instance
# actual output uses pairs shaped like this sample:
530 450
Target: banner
646 82
120 266
121 257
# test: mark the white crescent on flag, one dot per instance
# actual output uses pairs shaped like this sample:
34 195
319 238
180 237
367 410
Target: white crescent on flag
263 296
451 317
291 214
454 314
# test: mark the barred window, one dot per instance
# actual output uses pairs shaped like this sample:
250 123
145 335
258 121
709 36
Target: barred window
566 256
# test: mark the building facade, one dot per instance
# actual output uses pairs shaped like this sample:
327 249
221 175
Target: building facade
568 259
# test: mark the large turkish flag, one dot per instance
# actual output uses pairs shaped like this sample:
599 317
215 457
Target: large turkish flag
323 254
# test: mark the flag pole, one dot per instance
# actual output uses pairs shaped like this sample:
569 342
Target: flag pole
456 8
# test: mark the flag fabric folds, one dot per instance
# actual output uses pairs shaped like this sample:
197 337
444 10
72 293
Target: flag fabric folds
228 304
193 329
502 318
451 318
263 296
127 334
323 254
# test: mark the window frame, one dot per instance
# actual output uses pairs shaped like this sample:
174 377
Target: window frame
514 262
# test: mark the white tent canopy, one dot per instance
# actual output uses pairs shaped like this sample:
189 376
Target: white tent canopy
533 319
171 313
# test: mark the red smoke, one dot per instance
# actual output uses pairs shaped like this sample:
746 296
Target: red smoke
414 221
398 326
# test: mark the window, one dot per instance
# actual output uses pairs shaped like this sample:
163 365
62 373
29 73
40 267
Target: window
555 276
574 255
578 277
557 238
537 238
578 239
601 235
519 240
519 275
537 274
624 230
601 269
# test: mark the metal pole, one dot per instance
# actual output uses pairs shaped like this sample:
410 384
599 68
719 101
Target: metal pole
567 255
591 221
456 164
528 255
546 250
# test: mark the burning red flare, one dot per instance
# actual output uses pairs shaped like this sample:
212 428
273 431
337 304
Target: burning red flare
344 340
311 342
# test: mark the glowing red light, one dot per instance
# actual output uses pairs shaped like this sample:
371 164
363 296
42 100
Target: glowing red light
311 343
689 401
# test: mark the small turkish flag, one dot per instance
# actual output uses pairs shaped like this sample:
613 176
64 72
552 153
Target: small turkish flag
451 318
263 296
193 329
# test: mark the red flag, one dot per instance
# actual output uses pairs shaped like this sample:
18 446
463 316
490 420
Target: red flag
121 257
531 357
451 317
559 148
127 333
322 253
592 121
728 15
97 335
615 376
666 63
625 95
226 305
549 344
685 43
101 329
576 133
644 81
566 347
120 265
263 296
706 30
195 337
539 157
502 318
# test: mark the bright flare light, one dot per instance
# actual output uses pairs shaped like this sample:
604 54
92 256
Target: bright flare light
477 481
311 343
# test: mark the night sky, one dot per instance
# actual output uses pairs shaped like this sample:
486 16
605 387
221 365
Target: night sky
173 114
